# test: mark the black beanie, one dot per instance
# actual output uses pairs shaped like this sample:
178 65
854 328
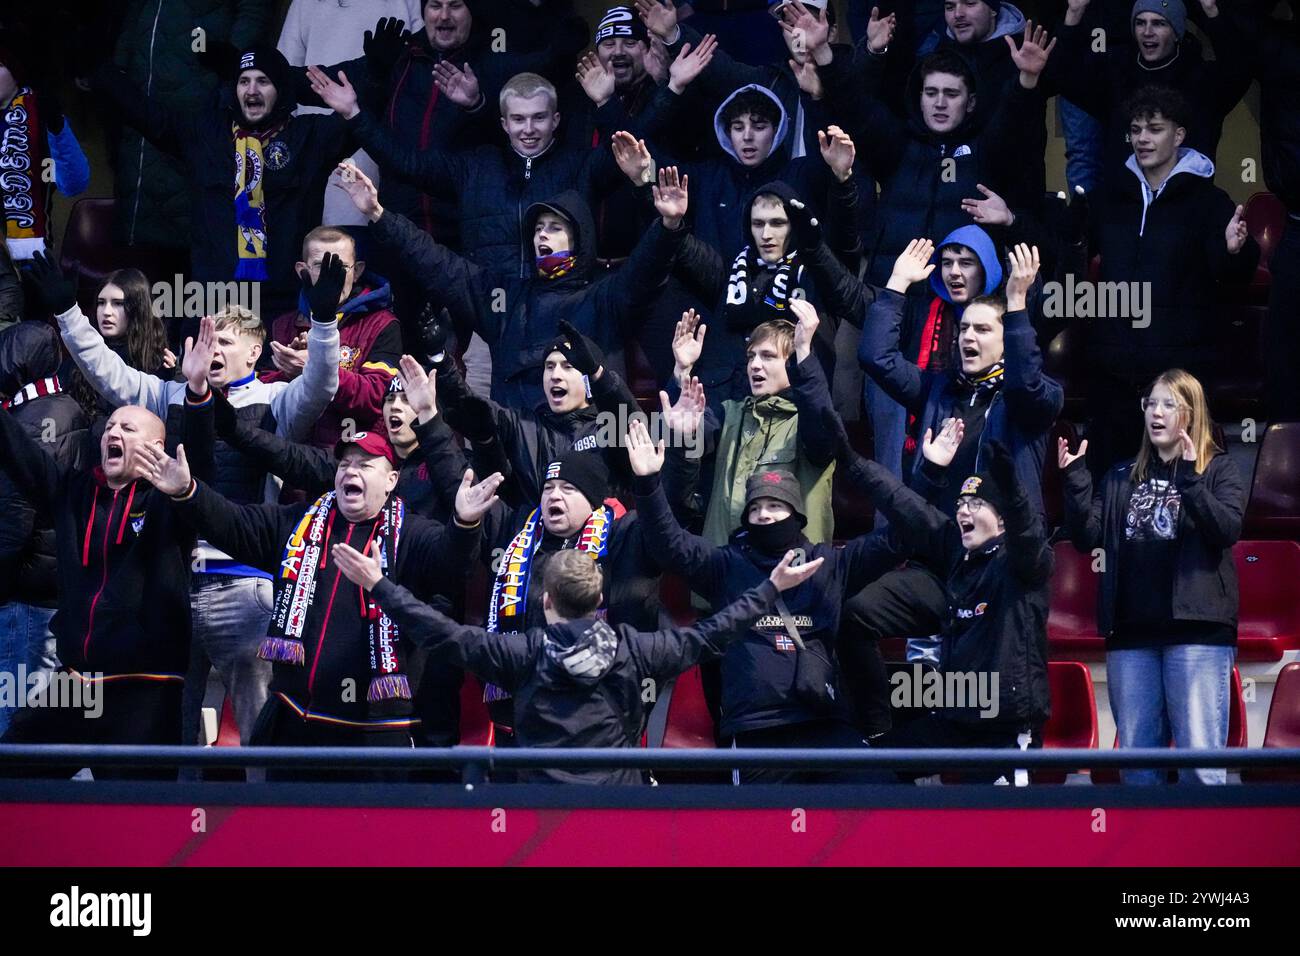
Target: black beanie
984 486
622 22
264 57
586 471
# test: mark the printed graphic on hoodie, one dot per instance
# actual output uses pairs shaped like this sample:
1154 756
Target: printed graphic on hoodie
1153 511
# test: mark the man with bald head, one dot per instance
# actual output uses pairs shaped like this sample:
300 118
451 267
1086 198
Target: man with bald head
124 555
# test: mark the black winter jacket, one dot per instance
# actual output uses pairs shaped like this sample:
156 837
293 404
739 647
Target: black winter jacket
554 709
1209 524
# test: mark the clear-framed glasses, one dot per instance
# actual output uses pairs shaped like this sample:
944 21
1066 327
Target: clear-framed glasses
971 504
1166 405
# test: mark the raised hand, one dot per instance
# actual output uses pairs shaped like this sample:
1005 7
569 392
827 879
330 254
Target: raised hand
473 501
323 295
362 570
58 293
340 96
597 82
880 31
1186 445
805 327
1236 234
805 32
433 334
169 475
912 265
684 416
671 197
360 190
940 451
691 63
420 389
384 45
168 358
633 158
838 151
1063 457
787 574
688 343
645 457
581 352
1031 56
1075 10
199 353
805 74
659 18
1024 267
459 86
992 210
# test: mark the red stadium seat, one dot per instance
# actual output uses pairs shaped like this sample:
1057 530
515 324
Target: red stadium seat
1283 728
1269 619
475 725
228 729
1274 508
1265 221
1237 731
689 723
1072 619
1073 723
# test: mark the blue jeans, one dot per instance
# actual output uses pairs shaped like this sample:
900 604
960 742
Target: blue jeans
231 615
1083 149
1179 692
25 638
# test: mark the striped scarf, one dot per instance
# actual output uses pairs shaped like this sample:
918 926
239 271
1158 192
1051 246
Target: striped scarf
305 555
508 604
744 311
250 201
985 381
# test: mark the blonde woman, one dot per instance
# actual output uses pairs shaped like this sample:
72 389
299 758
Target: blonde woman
1167 607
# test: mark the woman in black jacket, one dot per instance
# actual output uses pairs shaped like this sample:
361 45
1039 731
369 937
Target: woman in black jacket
1166 523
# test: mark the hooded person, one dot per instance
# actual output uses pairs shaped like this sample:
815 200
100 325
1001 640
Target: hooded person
520 317
29 580
779 682
370 337
577 680
278 162
995 566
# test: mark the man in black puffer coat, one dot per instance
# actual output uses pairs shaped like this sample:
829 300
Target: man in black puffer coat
29 588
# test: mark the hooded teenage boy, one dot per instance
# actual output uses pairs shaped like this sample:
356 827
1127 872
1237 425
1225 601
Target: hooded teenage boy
995 565
124 558
278 163
577 680
1179 244
519 317
582 398
370 339
780 686
1161 53
342 673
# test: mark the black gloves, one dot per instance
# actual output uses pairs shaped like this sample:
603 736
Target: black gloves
323 295
433 335
383 46
805 229
582 353
475 421
57 292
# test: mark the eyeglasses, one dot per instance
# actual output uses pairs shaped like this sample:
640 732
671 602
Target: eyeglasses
1165 404
971 503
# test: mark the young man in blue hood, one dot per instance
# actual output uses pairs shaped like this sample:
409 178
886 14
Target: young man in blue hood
370 338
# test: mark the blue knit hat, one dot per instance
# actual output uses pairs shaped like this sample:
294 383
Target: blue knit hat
1171 10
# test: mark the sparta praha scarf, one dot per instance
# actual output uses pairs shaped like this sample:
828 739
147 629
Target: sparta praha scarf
21 159
305 555
250 201
509 601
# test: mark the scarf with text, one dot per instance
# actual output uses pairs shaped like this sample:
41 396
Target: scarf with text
250 200
21 166
305 555
745 311
508 604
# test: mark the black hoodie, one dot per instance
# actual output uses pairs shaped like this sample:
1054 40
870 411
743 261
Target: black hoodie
519 318
556 709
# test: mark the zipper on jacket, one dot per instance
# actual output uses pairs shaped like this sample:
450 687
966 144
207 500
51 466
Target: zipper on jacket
148 90
103 581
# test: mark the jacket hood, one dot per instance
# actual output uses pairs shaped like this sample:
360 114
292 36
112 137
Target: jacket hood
28 351
801 220
977 239
720 129
574 208
577 653
1009 22
1189 162
375 294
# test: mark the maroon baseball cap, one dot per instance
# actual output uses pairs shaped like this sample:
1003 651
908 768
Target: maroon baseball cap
372 443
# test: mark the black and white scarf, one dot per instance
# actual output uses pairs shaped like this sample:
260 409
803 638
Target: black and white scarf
745 310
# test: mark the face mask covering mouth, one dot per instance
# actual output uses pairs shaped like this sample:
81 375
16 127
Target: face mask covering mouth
777 537
555 264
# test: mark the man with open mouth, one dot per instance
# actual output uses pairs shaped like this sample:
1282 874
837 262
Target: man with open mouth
342 672
124 565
